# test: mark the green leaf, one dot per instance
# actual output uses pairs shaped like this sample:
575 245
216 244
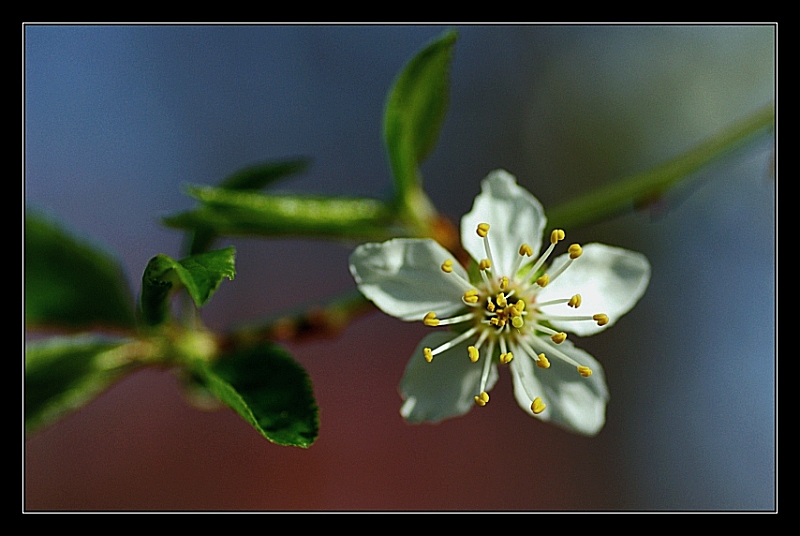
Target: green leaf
63 374
267 388
71 284
228 212
200 275
261 175
250 178
415 110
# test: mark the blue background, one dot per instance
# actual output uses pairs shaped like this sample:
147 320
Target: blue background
119 118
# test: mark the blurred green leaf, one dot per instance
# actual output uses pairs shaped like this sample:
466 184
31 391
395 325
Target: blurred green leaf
250 178
267 388
261 175
63 374
228 212
200 275
71 284
415 110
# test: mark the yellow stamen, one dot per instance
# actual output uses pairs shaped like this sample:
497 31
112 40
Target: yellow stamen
489 305
503 283
471 296
584 371
601 319
575 301
543 281
430 319
556 236
519 306
482 399
537 406
525 250
473 354
485 264
558 338
501 300
428 353
543 362
506 358
517 321
575 251
483 229
447 266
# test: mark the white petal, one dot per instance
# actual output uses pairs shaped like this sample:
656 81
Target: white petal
573 402
610 280
514 215
403 277
446 386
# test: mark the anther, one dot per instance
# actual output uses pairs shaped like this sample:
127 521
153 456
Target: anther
575 301
519 306
473 354
556 236
503 283
542 362
584 371
558 338
506 358
482 399
543 280
517 321
601 319
430 319
471 296
501 300
575 251
428 353
525 250
489 305
485 264
537 406
447 266
483 229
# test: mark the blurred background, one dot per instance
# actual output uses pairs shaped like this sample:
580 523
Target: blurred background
118 119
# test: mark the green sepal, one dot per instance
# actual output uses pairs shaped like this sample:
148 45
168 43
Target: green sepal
71 284
200 275
268 389
246 213
63 374
415 110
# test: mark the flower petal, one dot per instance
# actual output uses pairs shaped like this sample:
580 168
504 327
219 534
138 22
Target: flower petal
514 215
610 280
404 279
446 386
573 402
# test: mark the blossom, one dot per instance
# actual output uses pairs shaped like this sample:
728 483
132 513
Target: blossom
508 308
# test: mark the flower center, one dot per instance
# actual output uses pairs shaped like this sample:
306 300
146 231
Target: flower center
503 312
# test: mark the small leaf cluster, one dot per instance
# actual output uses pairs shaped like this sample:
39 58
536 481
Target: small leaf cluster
74 287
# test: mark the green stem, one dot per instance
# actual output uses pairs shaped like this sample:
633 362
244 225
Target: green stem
644 188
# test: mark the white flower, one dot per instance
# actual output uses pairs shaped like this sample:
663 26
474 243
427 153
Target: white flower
513 310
